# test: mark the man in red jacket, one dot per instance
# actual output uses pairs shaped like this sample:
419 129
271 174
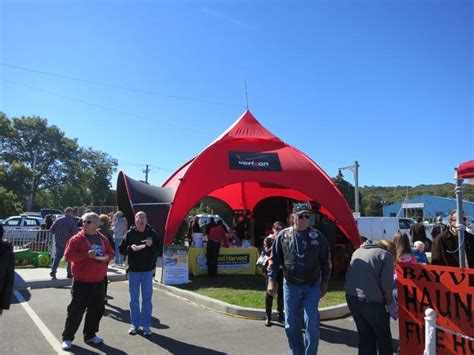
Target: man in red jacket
89 252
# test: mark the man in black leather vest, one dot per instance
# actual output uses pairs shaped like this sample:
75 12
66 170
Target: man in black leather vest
303 252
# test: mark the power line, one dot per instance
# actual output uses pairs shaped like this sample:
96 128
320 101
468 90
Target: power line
84 102
119 87
154 167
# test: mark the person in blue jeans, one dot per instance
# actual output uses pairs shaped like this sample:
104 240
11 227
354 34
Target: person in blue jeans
141 245
303 253
63 229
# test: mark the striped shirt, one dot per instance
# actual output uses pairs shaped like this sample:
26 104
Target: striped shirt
63 229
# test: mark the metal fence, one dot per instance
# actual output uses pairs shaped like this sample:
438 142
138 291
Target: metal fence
430 332
36 240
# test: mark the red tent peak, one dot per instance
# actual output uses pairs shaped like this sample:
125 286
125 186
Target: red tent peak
466 170
247 127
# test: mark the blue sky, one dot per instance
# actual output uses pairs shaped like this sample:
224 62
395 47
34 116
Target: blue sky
387 83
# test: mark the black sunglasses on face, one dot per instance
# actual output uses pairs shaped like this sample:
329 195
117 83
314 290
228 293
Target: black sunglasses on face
88 222
301 216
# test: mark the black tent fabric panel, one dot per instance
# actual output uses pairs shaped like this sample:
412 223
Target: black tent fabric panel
133 196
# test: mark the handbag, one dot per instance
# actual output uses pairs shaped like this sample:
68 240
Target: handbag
262 259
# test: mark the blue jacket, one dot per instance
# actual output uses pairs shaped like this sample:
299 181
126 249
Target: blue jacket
420 257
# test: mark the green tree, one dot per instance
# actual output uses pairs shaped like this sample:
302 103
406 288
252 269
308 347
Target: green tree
98 168
15 177
43 167
371 205
346 189
9 204
44 150
9 201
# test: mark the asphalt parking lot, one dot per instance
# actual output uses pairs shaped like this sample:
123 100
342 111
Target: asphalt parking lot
179 327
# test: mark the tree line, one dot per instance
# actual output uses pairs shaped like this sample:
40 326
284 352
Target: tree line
40 167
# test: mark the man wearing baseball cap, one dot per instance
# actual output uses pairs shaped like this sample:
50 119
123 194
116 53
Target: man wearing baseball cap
303 253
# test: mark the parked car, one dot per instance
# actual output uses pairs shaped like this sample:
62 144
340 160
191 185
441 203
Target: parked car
51 211
24 221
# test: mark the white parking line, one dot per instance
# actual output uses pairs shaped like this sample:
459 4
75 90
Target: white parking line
39 323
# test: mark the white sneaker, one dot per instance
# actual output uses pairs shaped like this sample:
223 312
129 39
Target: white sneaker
66 345
95 340
133 330
146 332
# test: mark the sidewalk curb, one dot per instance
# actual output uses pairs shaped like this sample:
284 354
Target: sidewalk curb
48 283
327 313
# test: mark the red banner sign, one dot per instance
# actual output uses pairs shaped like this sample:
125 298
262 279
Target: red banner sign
447 290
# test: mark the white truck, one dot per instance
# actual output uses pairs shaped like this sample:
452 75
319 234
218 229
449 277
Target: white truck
377 228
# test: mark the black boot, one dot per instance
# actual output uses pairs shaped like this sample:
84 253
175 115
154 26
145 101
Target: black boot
281 317
268 321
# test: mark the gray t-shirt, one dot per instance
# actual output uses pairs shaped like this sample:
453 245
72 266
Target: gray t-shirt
96 244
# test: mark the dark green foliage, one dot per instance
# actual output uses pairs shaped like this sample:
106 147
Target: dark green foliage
42 167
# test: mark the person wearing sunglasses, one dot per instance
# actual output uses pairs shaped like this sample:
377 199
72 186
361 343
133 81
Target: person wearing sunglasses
303 253
89 252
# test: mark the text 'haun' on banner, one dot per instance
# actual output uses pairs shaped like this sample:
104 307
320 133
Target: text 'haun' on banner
447 290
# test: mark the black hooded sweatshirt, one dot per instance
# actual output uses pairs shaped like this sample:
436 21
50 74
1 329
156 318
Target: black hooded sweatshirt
145 259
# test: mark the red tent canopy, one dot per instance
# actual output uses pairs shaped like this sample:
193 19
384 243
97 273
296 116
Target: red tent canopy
246 164
466 170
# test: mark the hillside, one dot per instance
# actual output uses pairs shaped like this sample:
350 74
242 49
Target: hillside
372 198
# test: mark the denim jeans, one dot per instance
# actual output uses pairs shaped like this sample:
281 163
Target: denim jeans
300 298
57 258
373 326
118 256
140 281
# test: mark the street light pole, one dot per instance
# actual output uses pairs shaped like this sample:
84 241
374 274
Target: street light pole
356 187
355 170
460 222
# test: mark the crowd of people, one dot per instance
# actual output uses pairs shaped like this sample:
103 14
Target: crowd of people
371 281
88 244
297 272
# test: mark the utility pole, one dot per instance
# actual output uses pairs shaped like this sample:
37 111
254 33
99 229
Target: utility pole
146 171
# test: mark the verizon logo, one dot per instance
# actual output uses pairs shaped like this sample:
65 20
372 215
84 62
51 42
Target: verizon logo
254 161
260 164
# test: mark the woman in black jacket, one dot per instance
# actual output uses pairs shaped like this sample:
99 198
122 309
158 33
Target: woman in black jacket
7 272
267 247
